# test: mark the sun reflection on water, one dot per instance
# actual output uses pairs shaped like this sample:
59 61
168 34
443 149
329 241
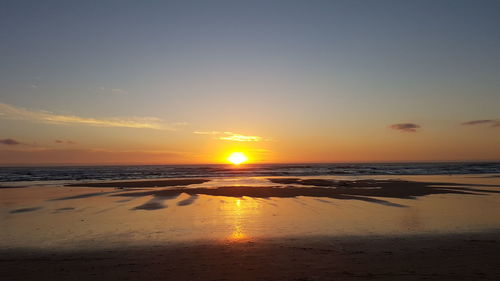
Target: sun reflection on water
240 211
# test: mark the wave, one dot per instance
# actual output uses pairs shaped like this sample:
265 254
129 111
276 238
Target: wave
16 174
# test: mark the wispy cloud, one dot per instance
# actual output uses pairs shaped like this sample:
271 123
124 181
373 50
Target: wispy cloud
35 82
405 127
44 155
18 113
118 91
9 142
64 142
230 136
206 132
492 123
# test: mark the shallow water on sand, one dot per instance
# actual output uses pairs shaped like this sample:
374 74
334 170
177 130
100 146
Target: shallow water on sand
89 217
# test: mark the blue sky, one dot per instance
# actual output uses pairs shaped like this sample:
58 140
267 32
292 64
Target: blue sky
336 72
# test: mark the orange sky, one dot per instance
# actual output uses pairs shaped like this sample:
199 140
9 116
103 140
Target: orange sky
67 143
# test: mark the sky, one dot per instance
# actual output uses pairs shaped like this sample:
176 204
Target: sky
171 82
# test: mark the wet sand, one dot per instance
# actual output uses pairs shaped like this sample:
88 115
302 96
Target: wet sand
364 190
142 183
380 228
438 257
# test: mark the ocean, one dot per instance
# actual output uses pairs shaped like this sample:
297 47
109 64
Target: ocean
89 173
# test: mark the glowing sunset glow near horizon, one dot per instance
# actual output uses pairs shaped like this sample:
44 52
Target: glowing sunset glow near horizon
185 82
237 158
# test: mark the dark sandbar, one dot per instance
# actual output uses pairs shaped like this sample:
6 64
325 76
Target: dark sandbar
363 190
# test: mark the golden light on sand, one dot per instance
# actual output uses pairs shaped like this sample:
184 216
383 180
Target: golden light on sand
238 211
237 158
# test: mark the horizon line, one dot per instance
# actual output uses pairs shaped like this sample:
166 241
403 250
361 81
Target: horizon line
14 165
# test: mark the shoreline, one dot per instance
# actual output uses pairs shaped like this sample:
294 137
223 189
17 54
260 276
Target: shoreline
142 183
189 180
134 172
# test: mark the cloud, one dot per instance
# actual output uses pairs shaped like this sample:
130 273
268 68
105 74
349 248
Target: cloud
405 127
64 142
230 136
57 156
206 132
492 123
42 116
9 142
118 91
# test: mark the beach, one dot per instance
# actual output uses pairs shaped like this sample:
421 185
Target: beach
415 227
435 257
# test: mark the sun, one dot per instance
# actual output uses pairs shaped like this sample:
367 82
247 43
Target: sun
237 158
